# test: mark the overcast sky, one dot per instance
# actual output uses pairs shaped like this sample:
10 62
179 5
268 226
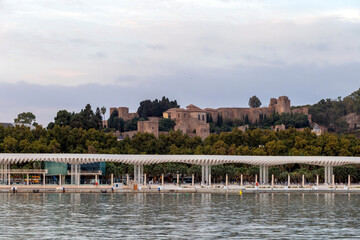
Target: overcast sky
64 54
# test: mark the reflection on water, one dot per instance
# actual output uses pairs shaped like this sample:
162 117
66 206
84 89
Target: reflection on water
75 215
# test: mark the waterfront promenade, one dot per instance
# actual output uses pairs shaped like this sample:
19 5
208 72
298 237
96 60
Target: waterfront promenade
184 188
139 180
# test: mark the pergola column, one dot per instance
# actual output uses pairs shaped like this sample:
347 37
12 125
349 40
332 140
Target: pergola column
44 179
75 174
139 174
72 168
162 179
4 169
177 179
227 180
272 180
317 180
145 179
241 180
193 180
205 174
60 180
289 180
112 180
328 173
202 174
135 173
5 175
2 173
303 181
27 179
264 175
349 180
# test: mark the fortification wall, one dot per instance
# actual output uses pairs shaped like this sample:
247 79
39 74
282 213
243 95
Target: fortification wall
123 112
280 105
151 126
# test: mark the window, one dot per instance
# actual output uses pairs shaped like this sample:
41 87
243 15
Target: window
178 115
203 117
199 117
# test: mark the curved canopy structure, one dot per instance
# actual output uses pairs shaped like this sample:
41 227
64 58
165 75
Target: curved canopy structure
13 158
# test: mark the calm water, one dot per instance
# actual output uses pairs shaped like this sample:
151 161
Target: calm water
165 216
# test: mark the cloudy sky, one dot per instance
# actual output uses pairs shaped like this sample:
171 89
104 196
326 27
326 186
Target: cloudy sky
64 54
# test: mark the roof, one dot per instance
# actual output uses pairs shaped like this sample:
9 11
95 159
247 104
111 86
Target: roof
13 158
192 107
175 109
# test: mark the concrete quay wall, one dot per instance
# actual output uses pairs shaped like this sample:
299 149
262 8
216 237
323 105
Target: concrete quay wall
172 189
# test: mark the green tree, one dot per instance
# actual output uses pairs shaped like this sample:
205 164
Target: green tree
155 108
254 102
26 117
63 118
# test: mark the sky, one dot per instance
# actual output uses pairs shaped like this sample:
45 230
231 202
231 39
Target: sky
64 54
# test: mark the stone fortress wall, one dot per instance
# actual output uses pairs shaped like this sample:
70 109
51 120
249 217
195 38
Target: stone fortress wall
280 105
123 112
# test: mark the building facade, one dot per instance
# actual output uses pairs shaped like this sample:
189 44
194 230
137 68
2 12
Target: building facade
190 121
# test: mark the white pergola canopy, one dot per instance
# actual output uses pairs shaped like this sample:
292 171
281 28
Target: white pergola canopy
14 158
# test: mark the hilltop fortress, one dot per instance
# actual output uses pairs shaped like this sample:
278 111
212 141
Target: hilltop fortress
192 120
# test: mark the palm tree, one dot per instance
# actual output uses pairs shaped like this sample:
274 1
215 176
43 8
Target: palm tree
103 111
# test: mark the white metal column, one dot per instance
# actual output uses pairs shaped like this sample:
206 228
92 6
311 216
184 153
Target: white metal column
264 175
328 174
135 173
2 173
202 174
209 175
325 175
75 173
139 174
72 174
206 174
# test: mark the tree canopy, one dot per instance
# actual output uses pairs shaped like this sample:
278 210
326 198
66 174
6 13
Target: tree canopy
25 117
254 102
155 108
85 119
